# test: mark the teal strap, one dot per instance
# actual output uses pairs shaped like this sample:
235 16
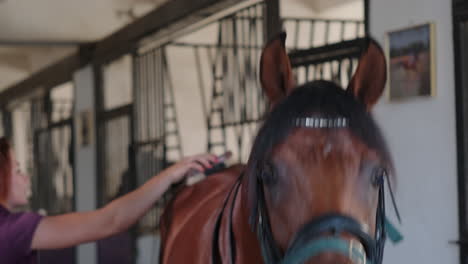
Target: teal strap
354 251
393 234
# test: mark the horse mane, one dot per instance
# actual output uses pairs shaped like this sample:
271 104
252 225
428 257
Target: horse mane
318 97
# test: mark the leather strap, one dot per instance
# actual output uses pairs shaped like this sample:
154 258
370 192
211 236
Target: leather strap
216 252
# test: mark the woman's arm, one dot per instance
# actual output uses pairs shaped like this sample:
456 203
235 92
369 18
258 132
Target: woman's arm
75 228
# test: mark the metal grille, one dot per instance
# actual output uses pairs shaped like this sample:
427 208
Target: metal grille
242 97
53 178
52 172
51 159
306 33
324 49
227 76
235 103
335 62
156 132
115 165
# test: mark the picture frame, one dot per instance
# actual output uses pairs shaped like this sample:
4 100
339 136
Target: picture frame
411 62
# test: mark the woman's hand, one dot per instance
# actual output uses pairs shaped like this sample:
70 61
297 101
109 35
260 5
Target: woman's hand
180 169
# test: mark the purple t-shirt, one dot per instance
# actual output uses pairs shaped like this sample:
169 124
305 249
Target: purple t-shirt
16 234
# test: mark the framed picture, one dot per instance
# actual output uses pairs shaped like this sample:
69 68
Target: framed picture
411 62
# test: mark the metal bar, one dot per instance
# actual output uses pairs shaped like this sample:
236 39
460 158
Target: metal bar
272 18
297 25
210 45
460 12
339 71
342 33
163 126
146 99
258 42
253 53
358 29
320 19
154 99
201 81
367 17
312 32
303 19
114 113
242 60
172 98
152 142
314 73
350 48
327 30
56 125
155 108
248 65
135 115
237 123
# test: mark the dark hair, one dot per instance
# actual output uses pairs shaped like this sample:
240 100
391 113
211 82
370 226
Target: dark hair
5 167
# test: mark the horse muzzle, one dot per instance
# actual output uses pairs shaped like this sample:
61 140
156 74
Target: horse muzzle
325 235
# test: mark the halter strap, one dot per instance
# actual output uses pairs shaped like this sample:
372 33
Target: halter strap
216 253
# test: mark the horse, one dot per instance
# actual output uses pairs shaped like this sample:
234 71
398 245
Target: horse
312 190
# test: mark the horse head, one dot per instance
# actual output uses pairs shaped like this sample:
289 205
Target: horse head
316 171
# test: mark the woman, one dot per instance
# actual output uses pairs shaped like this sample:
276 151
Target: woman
23 233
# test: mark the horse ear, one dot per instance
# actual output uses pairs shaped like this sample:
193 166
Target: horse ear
276 74
368 82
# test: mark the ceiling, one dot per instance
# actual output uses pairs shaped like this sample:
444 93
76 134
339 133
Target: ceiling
34 34
67 20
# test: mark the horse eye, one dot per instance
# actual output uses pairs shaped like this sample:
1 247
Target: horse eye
378 175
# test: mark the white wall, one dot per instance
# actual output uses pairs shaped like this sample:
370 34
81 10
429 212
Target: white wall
421 135
85 158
